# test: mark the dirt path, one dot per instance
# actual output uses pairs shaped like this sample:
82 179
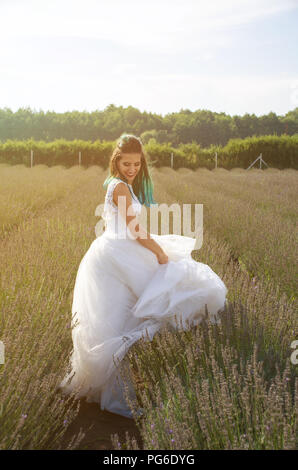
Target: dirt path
103 425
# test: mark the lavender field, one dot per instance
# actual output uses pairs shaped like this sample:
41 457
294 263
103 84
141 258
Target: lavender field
226 386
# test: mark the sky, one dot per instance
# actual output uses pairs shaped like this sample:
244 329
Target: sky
160 56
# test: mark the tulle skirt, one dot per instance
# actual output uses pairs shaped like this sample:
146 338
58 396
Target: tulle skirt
121 294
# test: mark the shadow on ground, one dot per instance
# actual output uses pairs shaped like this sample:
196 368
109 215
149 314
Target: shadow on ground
103 424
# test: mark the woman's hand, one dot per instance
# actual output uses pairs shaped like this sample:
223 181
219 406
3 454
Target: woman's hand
162 258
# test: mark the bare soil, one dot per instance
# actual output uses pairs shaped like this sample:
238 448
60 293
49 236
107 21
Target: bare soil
102 424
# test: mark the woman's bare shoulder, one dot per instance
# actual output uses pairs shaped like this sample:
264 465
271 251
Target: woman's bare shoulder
115 185
121 189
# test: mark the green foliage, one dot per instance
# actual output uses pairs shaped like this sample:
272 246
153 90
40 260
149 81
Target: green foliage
277 151
201 126
59 152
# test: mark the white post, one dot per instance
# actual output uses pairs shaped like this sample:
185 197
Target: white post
2 352
260 161
172 159
31 159
80 158
215 159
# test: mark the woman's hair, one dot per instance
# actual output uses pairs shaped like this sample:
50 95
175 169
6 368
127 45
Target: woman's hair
142 184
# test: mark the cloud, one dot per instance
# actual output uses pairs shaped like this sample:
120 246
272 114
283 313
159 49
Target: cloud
122 69
163 26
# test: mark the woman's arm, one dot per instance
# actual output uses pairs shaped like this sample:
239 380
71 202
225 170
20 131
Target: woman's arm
137 231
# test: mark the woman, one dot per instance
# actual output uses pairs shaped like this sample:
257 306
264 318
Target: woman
130 283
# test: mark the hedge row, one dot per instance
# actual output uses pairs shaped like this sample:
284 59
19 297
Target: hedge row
277 151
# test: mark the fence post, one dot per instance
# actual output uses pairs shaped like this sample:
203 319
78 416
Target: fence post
215 159
2 352
261 161
80 158
31 159
172 159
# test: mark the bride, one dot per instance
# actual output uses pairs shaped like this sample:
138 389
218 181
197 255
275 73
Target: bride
129 286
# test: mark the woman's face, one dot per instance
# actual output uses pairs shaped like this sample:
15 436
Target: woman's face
129 165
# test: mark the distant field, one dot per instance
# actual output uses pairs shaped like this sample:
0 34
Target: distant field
47 221
25 192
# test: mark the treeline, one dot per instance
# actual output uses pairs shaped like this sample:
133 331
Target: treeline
203 127
278 152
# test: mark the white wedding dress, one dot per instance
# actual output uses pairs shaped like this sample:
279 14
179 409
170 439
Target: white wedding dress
122 293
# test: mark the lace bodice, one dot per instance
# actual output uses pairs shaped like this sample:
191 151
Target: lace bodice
111 213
